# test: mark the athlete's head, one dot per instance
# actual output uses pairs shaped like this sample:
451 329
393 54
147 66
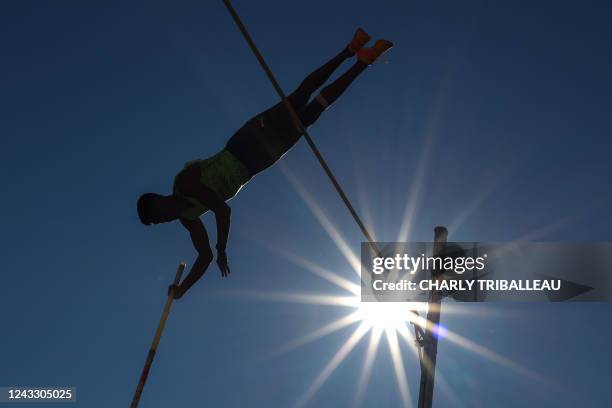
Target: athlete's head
155 208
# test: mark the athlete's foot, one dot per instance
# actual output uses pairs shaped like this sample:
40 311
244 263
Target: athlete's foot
371 54
360 38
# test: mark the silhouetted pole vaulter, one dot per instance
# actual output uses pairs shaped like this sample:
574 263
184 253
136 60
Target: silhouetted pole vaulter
156 338
206 185
298 122
429 337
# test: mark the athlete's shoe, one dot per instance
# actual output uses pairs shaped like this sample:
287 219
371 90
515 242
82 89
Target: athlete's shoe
371 54
360 38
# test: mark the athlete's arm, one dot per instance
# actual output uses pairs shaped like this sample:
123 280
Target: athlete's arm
222 217
199 238
189 181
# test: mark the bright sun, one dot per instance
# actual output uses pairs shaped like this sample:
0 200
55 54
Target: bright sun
386 315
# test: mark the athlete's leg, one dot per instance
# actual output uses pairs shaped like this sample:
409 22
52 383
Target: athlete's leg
268 136
299 98
330 93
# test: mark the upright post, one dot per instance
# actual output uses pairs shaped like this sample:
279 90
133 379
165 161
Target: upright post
430 336
156 338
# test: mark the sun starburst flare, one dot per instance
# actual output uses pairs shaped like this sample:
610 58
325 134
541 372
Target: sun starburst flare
381 320
385 322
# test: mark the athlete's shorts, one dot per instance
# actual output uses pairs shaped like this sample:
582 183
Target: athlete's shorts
264 139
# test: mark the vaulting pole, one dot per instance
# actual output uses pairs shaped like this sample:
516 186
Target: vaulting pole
298 123
430 336
156 338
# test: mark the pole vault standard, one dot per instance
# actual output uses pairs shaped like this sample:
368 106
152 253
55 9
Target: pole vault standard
298 124
428 338
156 338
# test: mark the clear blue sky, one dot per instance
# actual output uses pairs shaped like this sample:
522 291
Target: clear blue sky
503 109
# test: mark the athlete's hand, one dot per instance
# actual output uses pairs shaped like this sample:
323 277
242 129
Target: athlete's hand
175 291
222 263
